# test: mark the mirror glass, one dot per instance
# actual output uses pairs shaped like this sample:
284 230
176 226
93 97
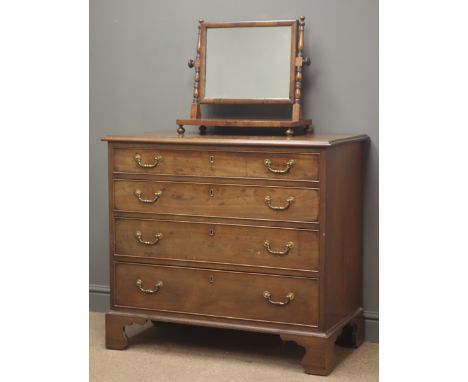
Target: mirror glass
248 62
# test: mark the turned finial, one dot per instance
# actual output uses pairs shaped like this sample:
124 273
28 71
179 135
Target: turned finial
201 21
302 19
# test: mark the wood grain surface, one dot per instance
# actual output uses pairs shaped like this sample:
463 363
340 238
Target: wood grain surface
299 141
231 200
217 164
218 243
217 293
204 236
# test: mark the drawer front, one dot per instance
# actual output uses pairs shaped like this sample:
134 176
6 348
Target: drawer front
218 243
218 164
217 293
199 199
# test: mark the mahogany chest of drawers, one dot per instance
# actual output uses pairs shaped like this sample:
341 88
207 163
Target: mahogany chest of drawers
248 233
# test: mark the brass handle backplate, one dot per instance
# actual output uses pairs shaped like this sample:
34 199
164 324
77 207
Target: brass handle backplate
289 164
157 159
289 298
139 236
157 286
289 246
289 200
139 194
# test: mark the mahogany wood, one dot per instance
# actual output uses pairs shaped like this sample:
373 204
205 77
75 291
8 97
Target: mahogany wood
296 111
343 209
230 200
295 82
264 23
227 323
220 220
217 180
244 122
215 293
195 111
115 330
212 259
307 142
221 243
217 164
319 357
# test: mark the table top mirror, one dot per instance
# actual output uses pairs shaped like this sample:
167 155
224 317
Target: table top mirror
245 63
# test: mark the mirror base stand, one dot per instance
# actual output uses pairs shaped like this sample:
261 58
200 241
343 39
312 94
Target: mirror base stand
272 123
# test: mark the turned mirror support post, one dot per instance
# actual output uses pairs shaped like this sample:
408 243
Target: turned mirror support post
195 111
296 112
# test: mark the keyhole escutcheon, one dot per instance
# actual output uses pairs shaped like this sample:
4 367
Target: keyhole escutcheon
211 193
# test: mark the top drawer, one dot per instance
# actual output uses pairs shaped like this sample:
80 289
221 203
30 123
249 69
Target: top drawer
287 166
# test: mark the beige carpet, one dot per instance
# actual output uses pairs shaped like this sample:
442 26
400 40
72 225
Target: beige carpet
169 352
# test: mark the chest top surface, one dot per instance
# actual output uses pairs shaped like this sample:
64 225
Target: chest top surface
171 137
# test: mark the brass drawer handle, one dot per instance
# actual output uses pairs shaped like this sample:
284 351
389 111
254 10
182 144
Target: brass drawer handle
157 159
289 246
289 298
139 236
289 200
158 286
289 164
139 194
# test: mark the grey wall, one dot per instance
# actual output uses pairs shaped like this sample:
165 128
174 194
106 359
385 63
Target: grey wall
139 81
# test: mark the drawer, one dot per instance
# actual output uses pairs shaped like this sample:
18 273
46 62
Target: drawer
218 164
237 295
218 243
201 199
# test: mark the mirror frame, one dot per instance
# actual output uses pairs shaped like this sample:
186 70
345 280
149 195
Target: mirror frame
254 24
